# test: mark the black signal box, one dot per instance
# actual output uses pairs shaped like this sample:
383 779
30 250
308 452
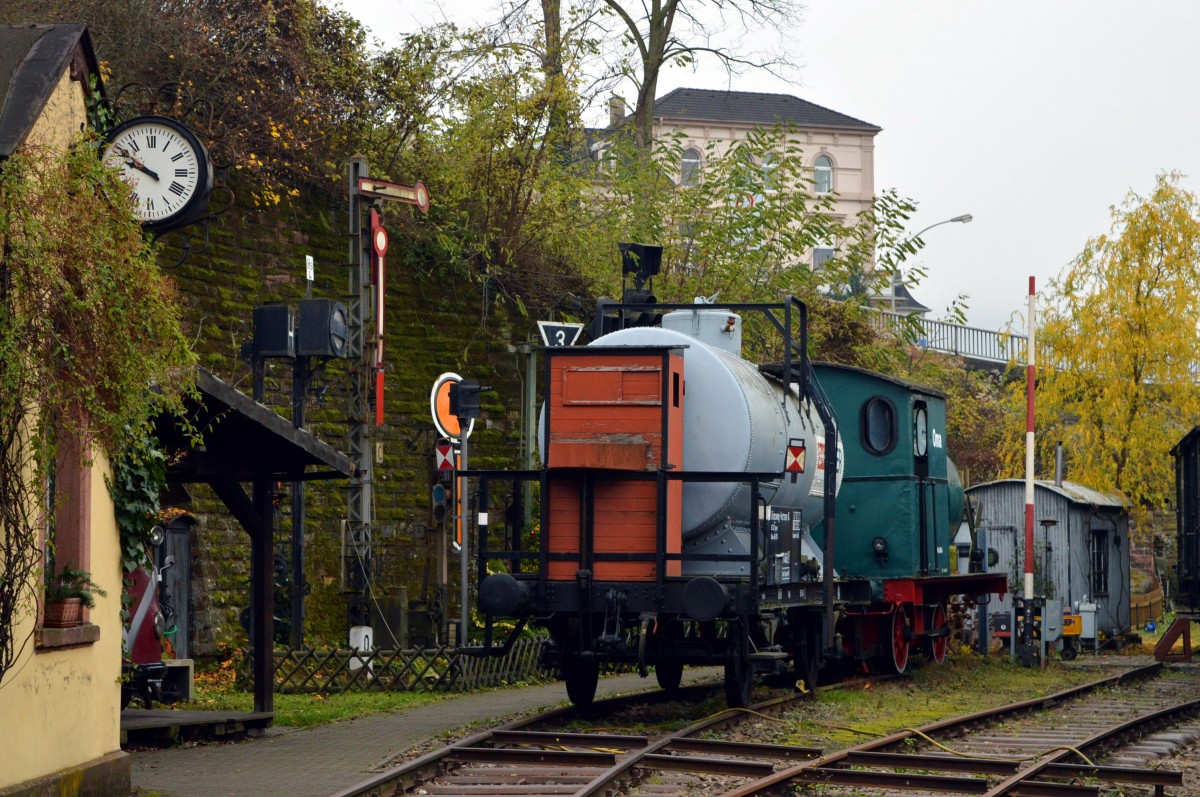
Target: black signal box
323 329
274 331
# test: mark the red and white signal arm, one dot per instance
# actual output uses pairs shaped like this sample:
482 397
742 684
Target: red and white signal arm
444 454
796 455
444 421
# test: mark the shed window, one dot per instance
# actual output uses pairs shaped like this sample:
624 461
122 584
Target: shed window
879 426
1098 547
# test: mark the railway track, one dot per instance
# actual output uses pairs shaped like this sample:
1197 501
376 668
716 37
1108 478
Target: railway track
518 759
1028 748
1072 743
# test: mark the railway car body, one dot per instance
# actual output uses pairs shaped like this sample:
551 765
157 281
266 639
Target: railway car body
690 511
1187 507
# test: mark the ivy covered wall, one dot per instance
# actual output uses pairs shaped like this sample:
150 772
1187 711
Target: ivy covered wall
435 322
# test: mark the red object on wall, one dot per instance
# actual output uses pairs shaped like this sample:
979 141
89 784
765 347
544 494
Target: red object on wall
145 646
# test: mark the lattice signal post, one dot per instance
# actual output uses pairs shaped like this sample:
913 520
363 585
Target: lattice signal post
365 310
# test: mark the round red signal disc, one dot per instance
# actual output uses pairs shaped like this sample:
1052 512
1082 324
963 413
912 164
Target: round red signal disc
439 405
380 240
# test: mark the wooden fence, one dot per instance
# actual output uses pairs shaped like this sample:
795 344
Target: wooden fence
1146 607
442 669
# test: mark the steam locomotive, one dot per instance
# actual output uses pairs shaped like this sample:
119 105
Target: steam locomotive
699 509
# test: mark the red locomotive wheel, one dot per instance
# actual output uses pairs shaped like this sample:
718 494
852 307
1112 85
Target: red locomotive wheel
899 638
937 646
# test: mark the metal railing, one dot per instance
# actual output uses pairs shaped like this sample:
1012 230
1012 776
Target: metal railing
984 346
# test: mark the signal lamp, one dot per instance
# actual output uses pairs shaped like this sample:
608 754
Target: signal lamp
641 318
440 503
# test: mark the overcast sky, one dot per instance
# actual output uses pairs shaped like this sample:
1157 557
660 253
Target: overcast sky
1035 117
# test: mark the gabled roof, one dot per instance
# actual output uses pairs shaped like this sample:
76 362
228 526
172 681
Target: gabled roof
32 59
905 301
750 107
1072 491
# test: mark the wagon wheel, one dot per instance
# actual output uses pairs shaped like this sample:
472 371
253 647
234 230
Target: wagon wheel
739 680
808 662
899 641
581 677
936 646
669 674
739 672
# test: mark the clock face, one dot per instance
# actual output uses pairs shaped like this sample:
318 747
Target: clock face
164 164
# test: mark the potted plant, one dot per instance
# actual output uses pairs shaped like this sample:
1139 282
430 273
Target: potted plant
66 596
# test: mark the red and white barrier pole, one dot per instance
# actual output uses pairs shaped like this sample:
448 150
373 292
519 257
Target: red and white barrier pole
1029 382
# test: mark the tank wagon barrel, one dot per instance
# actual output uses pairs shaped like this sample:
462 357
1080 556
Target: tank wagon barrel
689 501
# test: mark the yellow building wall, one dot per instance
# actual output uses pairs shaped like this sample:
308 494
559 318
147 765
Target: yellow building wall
62 707
63 118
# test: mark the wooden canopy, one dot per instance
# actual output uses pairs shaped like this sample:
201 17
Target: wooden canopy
242 442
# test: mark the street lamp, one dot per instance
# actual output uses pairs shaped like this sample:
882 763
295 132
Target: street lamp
963 219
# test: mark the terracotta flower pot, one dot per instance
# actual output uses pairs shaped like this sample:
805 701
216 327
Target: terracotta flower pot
63 613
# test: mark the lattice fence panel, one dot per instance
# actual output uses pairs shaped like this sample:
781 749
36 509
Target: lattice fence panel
442 669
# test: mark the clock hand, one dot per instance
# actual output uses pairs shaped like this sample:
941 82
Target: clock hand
134 162
142 168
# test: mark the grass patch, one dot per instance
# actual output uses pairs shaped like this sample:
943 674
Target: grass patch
305 711
215 691
966 683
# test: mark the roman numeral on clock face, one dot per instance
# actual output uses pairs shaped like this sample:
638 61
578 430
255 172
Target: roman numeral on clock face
152 141
181 172
176 189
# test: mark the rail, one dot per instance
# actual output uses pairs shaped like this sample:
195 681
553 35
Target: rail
982 346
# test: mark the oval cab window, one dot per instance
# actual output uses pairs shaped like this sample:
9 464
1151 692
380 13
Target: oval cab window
879 425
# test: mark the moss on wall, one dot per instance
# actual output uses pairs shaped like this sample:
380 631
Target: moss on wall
435 324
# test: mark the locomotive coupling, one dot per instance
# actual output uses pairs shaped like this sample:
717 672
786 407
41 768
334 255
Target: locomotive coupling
705 598
502 595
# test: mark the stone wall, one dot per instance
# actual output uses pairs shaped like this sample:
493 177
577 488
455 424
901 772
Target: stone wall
436 323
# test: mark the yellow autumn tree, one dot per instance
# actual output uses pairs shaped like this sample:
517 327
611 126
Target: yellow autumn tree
1118 347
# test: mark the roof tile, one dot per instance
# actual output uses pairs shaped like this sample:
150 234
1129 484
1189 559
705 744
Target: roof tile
752 107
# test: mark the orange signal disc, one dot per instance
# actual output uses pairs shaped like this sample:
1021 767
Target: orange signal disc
439 404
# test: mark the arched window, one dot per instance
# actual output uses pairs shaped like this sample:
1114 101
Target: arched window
823 174
689 167
770 163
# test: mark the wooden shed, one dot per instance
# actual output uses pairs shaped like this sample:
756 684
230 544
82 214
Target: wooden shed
1081 549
